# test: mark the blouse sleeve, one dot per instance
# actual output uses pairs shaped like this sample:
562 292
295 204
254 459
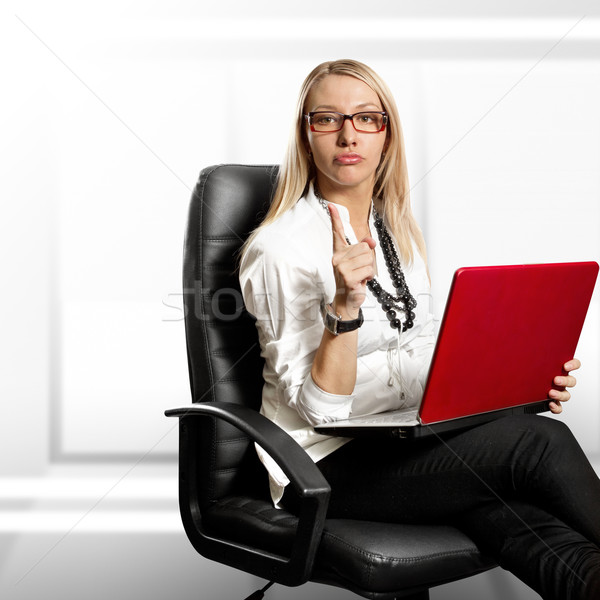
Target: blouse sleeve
283 292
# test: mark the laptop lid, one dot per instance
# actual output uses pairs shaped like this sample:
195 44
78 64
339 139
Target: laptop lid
505 334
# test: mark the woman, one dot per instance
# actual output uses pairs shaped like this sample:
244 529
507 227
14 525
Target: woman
337 279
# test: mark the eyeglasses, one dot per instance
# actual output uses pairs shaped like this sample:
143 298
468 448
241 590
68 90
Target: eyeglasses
367 122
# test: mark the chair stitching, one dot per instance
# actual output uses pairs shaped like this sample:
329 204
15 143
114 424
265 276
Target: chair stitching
217 267
233 440
369 570
223 471
265 519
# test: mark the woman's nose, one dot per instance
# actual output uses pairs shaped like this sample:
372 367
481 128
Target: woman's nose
347 134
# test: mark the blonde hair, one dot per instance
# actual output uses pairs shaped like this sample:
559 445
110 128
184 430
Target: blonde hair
391 179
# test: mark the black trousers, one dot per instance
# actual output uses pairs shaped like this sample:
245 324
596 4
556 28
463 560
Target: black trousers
520 487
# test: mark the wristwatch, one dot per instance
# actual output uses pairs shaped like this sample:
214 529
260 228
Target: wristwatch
333 322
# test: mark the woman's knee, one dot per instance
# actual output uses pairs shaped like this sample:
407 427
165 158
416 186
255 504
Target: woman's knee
534 443
555 428
545 429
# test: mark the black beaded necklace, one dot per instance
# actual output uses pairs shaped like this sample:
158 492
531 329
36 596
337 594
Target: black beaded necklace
403 301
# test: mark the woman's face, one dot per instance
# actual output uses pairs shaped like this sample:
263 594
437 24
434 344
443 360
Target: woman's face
346 158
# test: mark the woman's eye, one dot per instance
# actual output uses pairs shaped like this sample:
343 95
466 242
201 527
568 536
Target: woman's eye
326 119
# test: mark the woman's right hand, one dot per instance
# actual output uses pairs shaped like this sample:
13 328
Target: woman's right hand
352 268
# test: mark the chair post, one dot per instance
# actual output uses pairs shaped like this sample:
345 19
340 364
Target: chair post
424 595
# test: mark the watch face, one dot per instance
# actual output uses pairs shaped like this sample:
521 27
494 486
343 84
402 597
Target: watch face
331 321
334 323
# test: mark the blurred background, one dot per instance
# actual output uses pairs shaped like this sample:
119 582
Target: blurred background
109 111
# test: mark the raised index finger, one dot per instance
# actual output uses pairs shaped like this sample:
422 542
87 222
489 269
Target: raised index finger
339 237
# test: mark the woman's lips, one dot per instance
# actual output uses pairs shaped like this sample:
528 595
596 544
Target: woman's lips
348 159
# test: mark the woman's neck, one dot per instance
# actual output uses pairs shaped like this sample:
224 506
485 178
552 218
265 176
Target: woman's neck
357 199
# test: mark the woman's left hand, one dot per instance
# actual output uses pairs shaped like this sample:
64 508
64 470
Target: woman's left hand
564 381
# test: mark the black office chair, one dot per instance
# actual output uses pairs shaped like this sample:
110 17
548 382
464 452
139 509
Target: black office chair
223 491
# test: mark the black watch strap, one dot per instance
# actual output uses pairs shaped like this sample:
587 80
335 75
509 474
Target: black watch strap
335 324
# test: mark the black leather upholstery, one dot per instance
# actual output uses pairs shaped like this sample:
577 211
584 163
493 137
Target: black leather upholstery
223 352
366 557
225 509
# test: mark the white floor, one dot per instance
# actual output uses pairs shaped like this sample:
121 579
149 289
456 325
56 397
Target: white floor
69 536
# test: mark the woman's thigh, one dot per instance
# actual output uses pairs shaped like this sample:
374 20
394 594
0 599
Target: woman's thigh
521 487
439 478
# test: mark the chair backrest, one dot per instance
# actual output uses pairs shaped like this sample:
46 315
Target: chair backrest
224 360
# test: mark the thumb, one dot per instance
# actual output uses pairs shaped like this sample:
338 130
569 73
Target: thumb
337 227
370 241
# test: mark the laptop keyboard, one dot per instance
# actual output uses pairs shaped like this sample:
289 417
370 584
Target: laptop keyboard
395 417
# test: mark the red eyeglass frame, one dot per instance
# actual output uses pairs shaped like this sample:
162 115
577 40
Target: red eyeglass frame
310 115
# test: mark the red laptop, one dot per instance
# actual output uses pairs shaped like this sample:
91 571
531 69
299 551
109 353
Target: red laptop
506 333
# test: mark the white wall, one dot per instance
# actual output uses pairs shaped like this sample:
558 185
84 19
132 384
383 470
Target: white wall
110 110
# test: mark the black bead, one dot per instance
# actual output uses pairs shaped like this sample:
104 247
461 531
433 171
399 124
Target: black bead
403 301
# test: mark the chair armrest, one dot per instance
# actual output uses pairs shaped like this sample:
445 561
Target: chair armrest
300 469
305 477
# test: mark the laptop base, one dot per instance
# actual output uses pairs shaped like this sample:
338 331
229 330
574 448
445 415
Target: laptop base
419 431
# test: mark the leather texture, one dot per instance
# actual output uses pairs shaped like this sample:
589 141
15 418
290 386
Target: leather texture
222 344
384 559
375 560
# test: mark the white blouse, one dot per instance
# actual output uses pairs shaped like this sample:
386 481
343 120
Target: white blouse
284 274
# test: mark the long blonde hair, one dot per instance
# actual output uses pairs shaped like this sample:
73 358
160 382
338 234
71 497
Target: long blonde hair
391 179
